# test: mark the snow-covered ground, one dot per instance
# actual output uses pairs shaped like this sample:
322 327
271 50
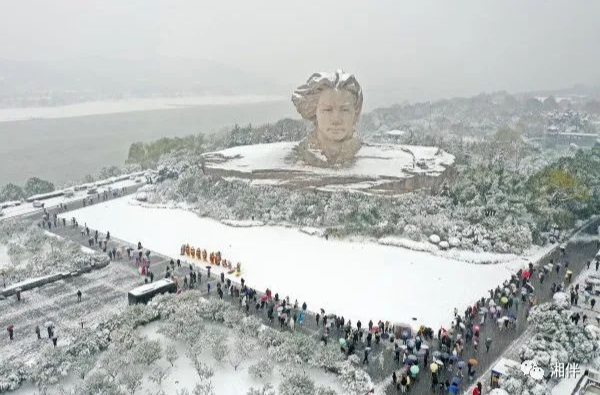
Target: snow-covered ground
360 280
372 160
126 105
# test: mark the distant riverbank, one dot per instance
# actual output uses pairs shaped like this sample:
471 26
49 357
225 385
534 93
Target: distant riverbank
128 105
63 149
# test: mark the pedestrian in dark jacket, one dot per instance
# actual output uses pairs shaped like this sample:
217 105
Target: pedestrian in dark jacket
37 332
11 331
78 295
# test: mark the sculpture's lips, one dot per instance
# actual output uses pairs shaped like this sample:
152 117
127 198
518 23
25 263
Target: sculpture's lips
336 129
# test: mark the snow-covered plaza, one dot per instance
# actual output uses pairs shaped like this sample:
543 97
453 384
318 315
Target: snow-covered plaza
354 278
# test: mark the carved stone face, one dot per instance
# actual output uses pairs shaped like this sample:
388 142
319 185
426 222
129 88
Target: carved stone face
336 115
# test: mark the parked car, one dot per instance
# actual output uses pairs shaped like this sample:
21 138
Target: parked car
69 192
38 204
92 191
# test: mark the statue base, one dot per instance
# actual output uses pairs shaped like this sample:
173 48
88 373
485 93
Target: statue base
376 169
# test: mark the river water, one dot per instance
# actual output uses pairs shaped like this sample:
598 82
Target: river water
63 149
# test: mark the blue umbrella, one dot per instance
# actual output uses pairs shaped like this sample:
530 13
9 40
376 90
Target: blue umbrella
405 335
412 358
453 358
445 356
512 315
461 364
436 354
454 389
456 380
409 361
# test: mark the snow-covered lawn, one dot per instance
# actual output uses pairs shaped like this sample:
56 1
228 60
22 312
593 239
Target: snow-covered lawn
360 280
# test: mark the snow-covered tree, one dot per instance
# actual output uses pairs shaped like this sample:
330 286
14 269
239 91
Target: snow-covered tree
296 383
556 339
325 391
203 387
355 381
219 349
159 374
131 378
147 352
266 389
11 191
36 185
171 354
244 346
98 383
204 371
262 368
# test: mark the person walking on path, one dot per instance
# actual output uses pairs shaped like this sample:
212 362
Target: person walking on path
11 331
597 264
37 332
366 353
54 339
79 295
488 343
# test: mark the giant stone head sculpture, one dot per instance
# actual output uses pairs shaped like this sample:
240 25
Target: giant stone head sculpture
332 101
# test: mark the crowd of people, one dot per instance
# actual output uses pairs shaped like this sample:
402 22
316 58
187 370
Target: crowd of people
448 358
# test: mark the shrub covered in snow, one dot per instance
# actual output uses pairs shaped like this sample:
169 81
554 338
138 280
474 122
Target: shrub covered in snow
556 339
413 215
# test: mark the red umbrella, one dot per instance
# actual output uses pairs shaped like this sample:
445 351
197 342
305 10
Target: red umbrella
10 328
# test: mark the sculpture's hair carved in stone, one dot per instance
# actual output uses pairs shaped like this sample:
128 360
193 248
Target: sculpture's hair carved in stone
306 96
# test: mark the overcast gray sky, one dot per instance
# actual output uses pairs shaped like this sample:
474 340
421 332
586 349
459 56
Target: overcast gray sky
411 50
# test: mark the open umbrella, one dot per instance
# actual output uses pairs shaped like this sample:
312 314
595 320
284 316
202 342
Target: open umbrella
473 361
409 361
414 369
456 380
342 341
49 324
461 364
439 362
492 303
476 328
410 343
405 334
512 315
462 325
412 357
434 367
483 310
493 310
424 347
421 352
10 327
453 358
504 300
436 354
445 356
